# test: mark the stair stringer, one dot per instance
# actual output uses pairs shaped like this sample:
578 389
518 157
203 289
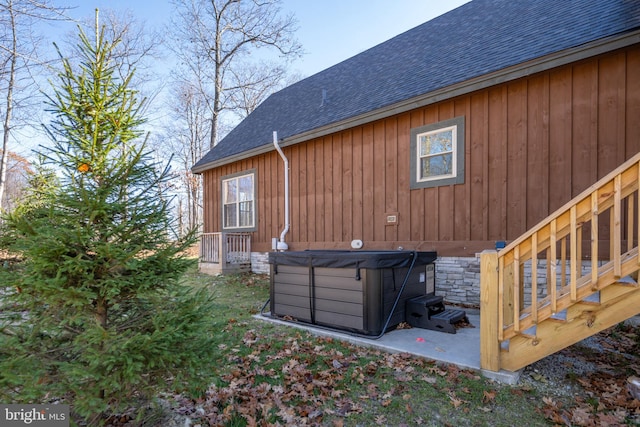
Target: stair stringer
552 335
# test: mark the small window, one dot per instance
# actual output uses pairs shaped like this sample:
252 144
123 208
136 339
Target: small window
238 202
437 154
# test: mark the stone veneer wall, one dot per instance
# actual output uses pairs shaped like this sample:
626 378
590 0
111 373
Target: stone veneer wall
260 262
458 280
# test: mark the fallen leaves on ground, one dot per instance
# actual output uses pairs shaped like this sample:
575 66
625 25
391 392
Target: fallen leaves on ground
603 397
299 380
304 382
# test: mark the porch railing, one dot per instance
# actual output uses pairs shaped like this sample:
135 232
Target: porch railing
225 248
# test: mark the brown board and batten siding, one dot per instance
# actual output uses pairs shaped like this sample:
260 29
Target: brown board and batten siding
530 146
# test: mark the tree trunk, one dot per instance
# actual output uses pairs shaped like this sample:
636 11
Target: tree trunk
180 219
101 319
9 106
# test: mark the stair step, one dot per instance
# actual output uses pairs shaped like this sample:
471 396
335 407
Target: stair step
627 280
429 312
594 298
450 315
561 315
579 309
616 290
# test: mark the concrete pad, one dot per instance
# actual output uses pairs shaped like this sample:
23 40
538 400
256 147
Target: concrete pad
461 349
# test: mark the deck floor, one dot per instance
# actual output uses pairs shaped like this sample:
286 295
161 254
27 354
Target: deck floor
461 349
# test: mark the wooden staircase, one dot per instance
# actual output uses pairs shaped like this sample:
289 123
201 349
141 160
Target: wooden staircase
572 276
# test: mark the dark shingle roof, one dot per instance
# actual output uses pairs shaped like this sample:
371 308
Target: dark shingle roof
478 38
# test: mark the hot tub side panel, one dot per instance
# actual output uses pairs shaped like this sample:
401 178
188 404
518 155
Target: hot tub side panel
339 298
290 292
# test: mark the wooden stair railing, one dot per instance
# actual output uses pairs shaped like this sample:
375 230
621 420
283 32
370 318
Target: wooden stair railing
571 276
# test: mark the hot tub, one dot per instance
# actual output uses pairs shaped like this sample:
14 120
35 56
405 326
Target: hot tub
349 290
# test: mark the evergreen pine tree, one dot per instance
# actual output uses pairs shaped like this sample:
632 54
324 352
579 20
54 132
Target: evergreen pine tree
97 315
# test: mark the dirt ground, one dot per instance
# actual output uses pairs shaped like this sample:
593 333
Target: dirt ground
592 383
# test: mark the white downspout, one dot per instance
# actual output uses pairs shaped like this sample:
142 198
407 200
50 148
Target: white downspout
282 245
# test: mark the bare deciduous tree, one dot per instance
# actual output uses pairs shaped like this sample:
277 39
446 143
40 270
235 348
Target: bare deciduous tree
215 41
265 79
186 140
18 170
137 48
18 59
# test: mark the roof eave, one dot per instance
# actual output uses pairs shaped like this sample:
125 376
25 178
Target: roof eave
487 80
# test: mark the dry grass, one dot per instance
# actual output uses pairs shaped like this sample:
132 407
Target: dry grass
6 256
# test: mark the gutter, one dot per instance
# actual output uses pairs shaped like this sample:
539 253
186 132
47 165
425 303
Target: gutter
514 72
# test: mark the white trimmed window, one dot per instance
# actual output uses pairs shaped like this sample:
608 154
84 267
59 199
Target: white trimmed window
238 202
437 154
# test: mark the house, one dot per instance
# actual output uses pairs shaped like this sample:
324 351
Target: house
465 131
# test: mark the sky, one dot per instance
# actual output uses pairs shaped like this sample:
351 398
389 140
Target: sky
330 31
